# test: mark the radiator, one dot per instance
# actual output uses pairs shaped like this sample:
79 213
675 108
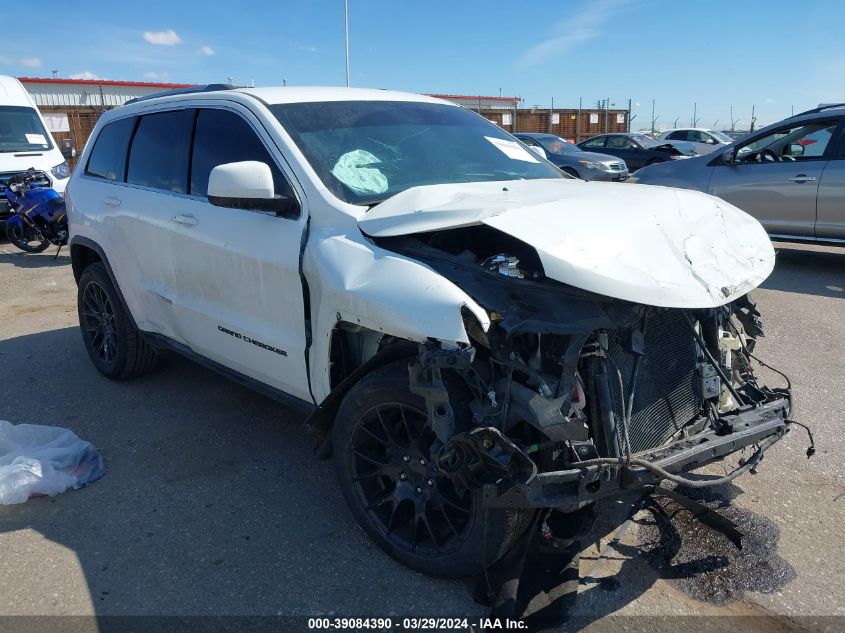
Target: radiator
668 394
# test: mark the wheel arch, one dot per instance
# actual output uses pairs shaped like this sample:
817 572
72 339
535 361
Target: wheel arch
390 349
84 252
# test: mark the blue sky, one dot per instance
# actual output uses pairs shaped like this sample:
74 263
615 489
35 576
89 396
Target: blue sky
776 55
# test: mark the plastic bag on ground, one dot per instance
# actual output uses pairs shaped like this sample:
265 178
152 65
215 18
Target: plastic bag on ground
43 460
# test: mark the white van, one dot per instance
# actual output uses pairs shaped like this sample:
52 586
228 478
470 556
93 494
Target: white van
25 141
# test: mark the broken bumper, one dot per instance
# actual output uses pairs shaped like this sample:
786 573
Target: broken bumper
572 489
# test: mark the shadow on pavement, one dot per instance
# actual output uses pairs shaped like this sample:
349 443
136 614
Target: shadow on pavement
47 259
805 271
213 504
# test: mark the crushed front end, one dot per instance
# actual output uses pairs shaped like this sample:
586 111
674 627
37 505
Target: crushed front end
576 396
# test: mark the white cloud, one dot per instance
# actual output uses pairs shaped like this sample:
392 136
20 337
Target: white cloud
206 50
154 76
578 28
308 48
85 74
163 38
29 62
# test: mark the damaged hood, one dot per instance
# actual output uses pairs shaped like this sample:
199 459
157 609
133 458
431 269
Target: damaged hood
650 245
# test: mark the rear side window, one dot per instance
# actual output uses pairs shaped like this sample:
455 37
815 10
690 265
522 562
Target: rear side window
619 142
595 142
108 156
158 157
224 137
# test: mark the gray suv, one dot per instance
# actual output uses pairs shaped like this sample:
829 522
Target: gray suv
790 175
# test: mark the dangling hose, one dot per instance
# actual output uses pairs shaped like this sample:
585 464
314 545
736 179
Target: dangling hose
692 483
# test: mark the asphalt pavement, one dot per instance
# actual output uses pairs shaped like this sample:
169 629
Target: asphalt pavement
214 504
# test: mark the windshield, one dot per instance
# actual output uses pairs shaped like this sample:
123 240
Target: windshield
721 136
21 130
557 145
644 140
368 151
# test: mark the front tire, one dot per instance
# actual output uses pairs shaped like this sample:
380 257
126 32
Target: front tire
114 345
571 172
382 440
25 238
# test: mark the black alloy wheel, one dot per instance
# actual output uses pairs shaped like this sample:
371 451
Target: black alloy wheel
115 346
410 502
382 443
98 322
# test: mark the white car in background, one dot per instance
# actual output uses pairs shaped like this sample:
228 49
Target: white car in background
702 140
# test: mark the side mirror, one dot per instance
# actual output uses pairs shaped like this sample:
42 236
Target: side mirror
794 149
729 156
246 185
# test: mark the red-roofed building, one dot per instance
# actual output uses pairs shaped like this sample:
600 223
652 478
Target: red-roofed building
71 108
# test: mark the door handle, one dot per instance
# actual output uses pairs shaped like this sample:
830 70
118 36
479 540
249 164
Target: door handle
185 220
112 201
802 178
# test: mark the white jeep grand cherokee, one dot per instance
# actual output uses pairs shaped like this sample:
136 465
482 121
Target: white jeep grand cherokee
475 335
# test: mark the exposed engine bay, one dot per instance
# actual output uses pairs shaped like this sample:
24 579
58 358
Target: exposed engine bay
575 395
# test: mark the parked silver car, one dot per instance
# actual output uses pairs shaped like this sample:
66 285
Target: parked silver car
574 160
790 175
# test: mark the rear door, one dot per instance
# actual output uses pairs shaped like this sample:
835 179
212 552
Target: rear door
129 218
776 176
626 149
238 296
830 209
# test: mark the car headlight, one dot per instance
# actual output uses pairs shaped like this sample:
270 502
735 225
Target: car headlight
591 165
61 171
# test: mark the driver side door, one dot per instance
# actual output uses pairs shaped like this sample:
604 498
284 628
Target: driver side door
775 177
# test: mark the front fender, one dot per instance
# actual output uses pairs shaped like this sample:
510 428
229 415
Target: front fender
356 281
14 220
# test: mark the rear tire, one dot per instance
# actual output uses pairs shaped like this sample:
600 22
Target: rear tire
381 436
114 345
20 235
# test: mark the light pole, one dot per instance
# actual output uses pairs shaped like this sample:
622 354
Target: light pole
653 120
346 36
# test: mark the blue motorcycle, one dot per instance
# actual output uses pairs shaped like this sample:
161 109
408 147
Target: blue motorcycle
38 217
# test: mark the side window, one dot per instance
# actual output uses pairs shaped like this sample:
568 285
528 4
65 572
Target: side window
807 141
677 135
108 156
159 154
618 142
595 142
224 137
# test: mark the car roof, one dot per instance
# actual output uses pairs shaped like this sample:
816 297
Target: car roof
536 134
267 96
278 95
684 129
12 93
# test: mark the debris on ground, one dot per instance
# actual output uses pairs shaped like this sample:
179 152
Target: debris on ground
38 460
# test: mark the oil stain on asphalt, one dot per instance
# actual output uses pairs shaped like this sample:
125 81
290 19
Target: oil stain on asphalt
703 563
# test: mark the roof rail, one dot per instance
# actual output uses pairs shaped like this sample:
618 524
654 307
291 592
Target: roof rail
182 91
821 107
